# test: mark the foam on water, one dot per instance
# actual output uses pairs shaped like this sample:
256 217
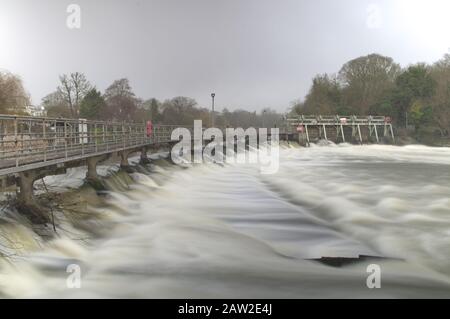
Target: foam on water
228 231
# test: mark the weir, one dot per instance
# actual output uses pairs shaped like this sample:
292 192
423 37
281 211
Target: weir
34 147
338 128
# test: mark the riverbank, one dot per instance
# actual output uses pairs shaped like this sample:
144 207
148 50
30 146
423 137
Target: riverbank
427 136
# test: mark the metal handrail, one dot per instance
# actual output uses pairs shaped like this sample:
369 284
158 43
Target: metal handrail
26 140
336 120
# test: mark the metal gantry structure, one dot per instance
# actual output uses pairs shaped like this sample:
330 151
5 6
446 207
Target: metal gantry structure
376 126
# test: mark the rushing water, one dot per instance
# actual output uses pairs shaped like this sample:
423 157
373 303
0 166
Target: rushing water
227 231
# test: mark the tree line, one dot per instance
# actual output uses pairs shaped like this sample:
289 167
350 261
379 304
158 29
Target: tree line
418 95
76 97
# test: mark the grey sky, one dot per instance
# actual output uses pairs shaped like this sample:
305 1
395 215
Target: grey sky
252 53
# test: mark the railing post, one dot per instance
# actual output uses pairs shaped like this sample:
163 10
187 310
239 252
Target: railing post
392 133
105 126
16 142
113 134
44 137
55 135
129 136
65 138
30 142
307 133
325 132
123 134
144 133
376 132
2 142
95 137
359 133
81 123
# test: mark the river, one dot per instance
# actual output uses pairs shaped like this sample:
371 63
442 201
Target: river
211 231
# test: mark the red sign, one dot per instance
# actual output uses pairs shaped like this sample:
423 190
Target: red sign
300 129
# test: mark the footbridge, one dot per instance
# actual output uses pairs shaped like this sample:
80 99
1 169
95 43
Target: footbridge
34 147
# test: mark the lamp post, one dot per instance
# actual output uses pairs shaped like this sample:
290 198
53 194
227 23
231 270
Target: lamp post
213 95
263 118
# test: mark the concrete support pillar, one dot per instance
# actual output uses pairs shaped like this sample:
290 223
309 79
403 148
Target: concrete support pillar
144 158
26 203
124 158
25 182
91 163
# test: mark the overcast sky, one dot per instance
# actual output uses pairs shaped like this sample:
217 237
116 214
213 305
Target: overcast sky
252 53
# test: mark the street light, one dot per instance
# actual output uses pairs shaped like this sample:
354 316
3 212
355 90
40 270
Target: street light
213 95
263 118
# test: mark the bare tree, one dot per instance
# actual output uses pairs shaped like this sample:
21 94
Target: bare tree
73 89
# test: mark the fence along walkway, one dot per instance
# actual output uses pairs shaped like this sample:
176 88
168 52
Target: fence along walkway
32 142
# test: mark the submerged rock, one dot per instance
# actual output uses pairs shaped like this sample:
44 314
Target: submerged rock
345 261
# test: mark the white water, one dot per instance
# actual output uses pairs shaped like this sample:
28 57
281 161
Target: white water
211 231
